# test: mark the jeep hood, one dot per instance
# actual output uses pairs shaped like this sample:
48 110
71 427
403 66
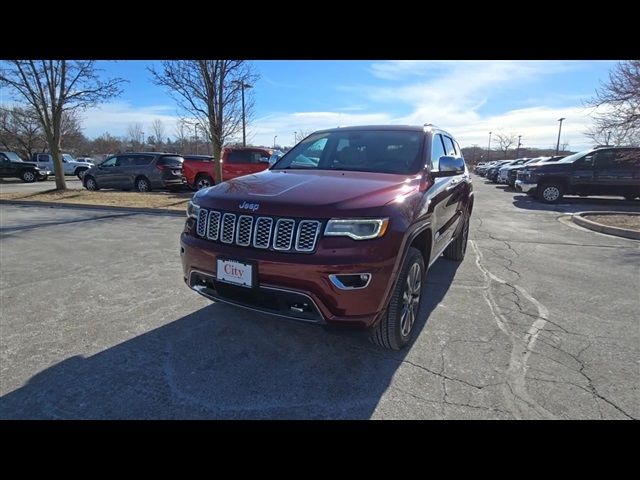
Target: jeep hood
319 193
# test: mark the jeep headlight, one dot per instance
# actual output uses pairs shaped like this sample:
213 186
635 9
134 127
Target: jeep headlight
192 210
357 228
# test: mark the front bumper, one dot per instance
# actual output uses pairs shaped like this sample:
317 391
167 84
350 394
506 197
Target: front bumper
525 187
281 277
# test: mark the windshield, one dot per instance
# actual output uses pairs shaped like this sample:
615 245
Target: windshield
13 156
68 157
380 151
574 157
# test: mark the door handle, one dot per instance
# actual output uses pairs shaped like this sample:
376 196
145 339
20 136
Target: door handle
452 185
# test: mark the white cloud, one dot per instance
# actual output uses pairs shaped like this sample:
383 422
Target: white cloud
115 118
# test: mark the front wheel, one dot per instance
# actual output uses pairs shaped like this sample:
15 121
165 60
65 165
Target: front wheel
395 329
91 184
80 172
550 192
28 176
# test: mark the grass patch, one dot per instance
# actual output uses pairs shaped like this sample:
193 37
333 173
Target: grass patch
160 199
630 222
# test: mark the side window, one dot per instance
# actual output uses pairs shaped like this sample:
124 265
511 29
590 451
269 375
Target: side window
123 161
603 159
625 159
239 156
437 151
449 147
110 162
141 161
43 157
3 158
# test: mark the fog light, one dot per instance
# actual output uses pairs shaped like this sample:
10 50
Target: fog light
351 281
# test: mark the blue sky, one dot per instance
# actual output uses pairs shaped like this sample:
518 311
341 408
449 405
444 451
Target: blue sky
468 98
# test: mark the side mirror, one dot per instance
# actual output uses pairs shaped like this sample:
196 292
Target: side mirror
449 166
264 159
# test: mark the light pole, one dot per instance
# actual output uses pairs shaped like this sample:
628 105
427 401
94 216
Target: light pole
518 150
608 137
489 147
142 140
274 140
295 137
559 130
243 85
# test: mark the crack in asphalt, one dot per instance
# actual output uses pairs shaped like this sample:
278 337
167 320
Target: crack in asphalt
521 347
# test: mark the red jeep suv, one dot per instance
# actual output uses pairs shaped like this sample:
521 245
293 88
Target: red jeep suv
340 231
199 170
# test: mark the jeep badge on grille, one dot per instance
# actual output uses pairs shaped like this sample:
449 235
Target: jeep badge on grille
249 206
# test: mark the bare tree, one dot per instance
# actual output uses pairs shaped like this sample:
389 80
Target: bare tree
300 135
613 136
505 141
563 147
157 127
52 87
620 96
20 131
182 133
106 144
210 92
135 134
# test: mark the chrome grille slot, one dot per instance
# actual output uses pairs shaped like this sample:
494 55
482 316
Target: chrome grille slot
201 226
228 227
308 231
283 235
214 225
262 232
243 230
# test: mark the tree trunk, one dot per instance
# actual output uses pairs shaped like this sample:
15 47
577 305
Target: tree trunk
56 153
217 159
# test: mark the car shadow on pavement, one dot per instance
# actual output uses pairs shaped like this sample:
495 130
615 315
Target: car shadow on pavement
576 204
221 362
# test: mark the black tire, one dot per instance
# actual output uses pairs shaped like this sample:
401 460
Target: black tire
203 181
550 192
143 184
80 172
456 249
28 176
394 330
91 184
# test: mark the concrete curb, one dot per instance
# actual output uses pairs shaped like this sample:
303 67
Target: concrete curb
578 219
84 206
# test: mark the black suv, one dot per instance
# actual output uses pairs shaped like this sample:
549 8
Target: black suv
340 231
11 165
613 171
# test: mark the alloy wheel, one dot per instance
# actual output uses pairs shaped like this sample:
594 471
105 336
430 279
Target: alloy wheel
411 299
551 193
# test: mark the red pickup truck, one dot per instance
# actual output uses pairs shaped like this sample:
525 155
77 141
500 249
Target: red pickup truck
236 162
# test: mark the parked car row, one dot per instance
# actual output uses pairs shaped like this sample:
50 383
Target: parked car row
145 171
606 171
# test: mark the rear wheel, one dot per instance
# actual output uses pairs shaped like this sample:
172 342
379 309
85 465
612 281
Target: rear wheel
550 192
457 248
90 183
143 184
28 176
395 329
203 181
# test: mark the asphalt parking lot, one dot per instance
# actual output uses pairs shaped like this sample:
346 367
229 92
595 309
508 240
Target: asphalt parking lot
14 185
540 321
